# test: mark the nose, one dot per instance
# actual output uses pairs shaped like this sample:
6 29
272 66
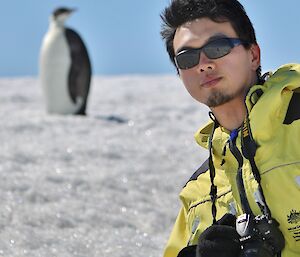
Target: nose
205 64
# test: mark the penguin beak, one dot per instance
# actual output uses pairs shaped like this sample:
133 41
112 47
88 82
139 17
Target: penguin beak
73 10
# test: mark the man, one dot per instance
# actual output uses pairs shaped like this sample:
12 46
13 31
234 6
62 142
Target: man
253 169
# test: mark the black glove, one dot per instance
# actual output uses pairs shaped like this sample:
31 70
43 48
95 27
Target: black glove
220 240
189 251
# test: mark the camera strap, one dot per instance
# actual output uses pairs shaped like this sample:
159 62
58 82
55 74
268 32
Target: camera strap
235 151
239 176
249 148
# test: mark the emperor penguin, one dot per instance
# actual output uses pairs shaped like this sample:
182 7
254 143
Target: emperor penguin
65 68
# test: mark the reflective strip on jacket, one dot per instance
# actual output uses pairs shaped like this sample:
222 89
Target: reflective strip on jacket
275 123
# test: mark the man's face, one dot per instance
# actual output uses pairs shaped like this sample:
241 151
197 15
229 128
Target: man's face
215 82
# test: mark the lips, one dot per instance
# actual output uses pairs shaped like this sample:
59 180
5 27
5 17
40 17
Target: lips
210 82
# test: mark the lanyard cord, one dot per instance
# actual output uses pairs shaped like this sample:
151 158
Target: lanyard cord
212 171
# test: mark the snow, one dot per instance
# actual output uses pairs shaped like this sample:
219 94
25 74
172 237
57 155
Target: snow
102 185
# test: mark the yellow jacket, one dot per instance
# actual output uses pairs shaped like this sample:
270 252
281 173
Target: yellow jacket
274 118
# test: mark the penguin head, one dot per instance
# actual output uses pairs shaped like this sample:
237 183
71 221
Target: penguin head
61 14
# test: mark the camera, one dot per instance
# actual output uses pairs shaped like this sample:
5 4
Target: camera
260 237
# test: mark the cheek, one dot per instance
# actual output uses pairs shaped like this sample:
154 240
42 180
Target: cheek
189 80
188 77
238 70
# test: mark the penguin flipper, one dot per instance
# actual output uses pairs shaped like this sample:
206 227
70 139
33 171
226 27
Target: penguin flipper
80 71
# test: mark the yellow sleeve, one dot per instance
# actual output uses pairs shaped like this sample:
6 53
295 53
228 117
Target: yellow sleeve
179 236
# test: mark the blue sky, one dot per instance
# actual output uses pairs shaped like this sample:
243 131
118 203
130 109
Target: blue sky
122 36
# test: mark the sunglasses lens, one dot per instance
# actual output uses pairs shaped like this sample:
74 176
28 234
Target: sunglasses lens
187 59
218 48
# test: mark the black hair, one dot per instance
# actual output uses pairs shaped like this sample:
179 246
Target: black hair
182 11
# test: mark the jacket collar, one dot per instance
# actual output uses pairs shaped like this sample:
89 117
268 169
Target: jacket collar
286 76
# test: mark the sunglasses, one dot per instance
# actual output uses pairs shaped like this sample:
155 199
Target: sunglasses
189 58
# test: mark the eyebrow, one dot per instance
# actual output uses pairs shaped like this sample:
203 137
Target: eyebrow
212 38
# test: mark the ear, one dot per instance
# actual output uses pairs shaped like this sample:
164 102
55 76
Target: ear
255 56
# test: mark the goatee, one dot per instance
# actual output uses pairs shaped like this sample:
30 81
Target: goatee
218 98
